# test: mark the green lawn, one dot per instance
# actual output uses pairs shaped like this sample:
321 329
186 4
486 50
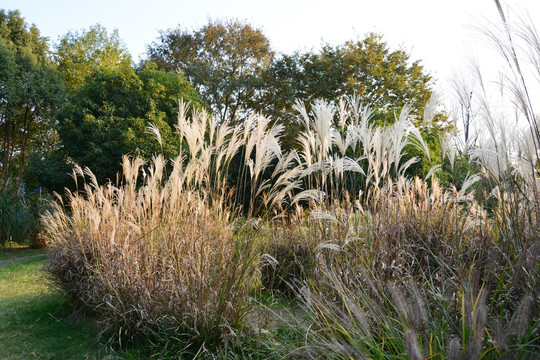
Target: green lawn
35 323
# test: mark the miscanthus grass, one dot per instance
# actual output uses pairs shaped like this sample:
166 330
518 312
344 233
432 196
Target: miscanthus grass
379 264
405 267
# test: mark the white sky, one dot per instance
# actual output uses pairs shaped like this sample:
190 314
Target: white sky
437 32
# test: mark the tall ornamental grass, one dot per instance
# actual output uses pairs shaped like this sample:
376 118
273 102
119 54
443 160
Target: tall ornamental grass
151 259
422 274
418 271
383 265
158 253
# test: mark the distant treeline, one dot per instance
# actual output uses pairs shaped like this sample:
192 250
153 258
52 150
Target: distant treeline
84 101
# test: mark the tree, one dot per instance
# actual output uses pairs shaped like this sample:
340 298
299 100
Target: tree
366 68
109 114
23 40
382 77
78 54
223 60
30 93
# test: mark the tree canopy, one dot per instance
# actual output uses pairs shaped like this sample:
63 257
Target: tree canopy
80 53
366 68
30 93
109 115
21 38
223 60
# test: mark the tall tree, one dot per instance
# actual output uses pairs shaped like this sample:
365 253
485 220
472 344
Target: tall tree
30 92
368 68
21 38
80 53
382 77
109 115
223 60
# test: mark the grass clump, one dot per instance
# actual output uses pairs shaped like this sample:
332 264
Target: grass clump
148 261
384 265
426 277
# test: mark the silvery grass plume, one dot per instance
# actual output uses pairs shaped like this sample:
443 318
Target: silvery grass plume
286 175
150 257
316 140
384 148
506 153
449 148
517 42
212 147
363 150
353 150
264 141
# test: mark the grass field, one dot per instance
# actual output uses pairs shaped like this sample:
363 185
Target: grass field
35 322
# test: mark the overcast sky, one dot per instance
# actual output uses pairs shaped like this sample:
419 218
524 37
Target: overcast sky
437 32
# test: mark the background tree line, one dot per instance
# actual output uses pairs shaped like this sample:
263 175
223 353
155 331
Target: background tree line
84 101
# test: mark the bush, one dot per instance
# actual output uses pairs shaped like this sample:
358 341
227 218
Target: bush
19 215
426 276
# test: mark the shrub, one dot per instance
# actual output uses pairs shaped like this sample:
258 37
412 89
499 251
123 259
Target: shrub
19 214
425 277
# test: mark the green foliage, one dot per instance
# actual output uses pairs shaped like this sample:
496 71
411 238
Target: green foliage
223 60
49 170
24 41
384 79
30 93
19 215
165 89
109 115
79 54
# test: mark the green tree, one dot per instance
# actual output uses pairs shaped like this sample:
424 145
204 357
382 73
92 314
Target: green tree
109 114
367 68
223 60
382 77
80 53
22 39
30 93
